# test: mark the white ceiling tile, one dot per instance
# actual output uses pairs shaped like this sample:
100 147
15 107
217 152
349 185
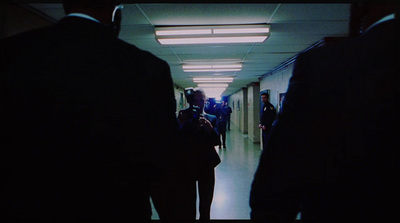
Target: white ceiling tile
211 56
311 27
221 49
137 31
312 12
41 6
131 15
252 57
276 48
207 14
295 39
55 11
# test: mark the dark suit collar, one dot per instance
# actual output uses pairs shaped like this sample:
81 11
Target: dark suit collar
382 27
384 19
382 32
82 15
84 27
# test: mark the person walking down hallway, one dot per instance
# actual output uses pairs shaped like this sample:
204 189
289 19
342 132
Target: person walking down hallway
222 114
229 111
200 136
267 117
73 140
331 153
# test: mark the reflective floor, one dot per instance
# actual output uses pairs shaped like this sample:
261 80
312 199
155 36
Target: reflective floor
233 177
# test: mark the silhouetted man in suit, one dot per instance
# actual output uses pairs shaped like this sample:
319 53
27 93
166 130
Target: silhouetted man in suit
75 145
335 160
199 133
229 109
222 115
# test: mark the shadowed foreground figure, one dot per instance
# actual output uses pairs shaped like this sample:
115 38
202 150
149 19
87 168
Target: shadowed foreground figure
335 161
72 105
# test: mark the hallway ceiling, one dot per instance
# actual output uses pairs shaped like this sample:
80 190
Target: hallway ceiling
294 27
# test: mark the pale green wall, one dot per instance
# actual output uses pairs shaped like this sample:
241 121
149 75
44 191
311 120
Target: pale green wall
253 101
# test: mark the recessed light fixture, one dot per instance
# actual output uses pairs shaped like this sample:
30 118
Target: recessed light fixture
218 67
181 35
183 32
213 92
212 85
212 79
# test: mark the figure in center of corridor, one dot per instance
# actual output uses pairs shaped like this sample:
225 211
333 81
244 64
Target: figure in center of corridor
200 135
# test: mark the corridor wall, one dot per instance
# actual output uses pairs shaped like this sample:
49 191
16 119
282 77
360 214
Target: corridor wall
239 116
277 83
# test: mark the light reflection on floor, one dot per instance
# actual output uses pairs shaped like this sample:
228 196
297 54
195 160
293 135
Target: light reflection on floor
234 176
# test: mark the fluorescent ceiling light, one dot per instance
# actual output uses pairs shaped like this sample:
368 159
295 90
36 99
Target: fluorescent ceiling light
212 95
212 70
227 66
183 32
212 34
241 30
216 96
191 67
216 90
212 85
222 89
212 79
213 90
212 40
212 67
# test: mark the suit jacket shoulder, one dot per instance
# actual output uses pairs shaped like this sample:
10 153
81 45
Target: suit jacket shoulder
333 73
357 52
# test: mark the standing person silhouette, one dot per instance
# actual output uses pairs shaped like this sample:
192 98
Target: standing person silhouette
200 135
229 111
335 160
222 114
268 116
75 148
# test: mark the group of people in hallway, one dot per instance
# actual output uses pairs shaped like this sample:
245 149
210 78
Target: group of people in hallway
79 132
223 113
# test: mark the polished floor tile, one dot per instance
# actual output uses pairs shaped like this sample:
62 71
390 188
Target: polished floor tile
233 177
